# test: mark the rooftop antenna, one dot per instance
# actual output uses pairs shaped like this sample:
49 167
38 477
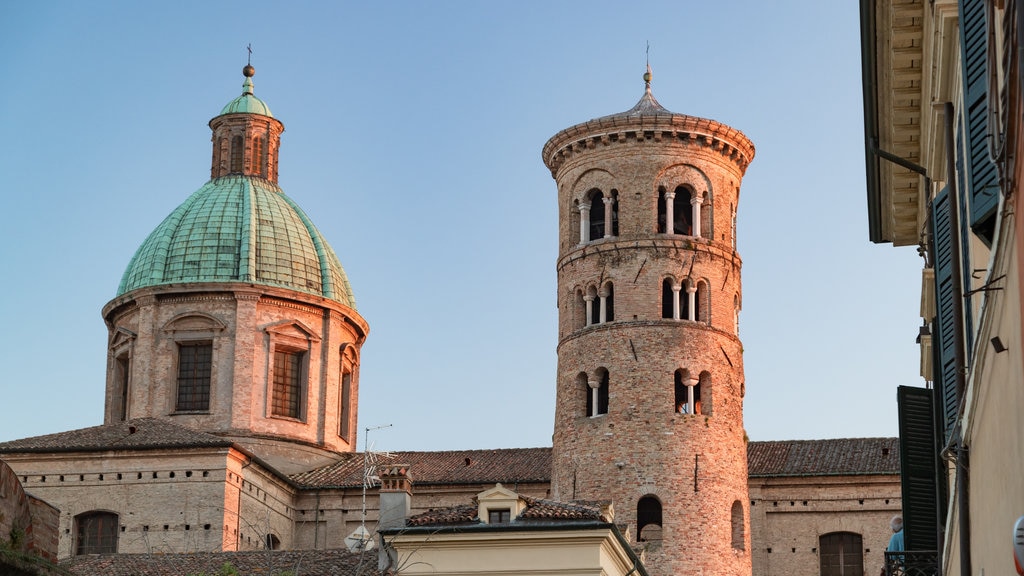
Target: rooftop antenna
370 470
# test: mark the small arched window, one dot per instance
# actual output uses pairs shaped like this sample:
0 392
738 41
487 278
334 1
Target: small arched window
597 220
257 157
593 307
648 519
272 542
682 211
96 533
615 212
702 394
608 303
669 300
841 554
682 395
706 222
236 155
738 532
597 398
702 304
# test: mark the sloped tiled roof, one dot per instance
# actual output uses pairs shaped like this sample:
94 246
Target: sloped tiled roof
339 562
838 457
137 434
537 509
507 466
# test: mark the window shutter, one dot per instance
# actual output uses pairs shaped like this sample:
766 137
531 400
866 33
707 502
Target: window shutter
918 468
983 179
945 320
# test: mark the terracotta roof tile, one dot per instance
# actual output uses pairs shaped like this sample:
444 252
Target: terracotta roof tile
837 457
339 562
138 434
537 509
507 466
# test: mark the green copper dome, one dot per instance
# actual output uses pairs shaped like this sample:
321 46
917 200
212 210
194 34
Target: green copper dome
239 229
247 103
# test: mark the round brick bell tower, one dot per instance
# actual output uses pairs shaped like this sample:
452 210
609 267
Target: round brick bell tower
649 410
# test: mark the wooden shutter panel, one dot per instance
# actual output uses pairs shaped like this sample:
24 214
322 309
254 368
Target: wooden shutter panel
945 319
983 179
918 468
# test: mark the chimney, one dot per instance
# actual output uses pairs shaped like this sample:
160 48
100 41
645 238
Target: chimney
395 496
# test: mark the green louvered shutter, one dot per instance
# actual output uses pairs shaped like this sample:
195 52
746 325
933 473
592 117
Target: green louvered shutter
983 179
918 468
945 320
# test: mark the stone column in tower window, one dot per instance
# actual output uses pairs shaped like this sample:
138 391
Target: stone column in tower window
608 202
696 201
670 217
584 223
691 299
588 298
676 288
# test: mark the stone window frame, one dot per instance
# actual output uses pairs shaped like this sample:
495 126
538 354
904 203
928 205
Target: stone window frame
349 380
122 351
290 336
189 328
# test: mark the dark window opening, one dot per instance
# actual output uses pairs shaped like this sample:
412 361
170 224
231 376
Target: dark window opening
272 542
596 215
195 365
615 212
602 394
122 367
346 411
503 516
287 383
661 210
841 554
680 392
667 298
236 155
682 212
96 533
738 532
648 519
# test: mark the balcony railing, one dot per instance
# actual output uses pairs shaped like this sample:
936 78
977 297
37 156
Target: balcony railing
912 563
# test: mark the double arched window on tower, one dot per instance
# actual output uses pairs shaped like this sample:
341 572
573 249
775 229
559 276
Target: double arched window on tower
692 394
686 300
684 212
599 215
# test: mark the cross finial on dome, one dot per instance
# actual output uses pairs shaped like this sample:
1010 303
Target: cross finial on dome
248 72
647 75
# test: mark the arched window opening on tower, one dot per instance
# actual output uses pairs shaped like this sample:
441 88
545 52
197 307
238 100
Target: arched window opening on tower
702 303
669 299
736 313
595 202
576 219
122 367
675 214
345 421
195 367
236 155
579 310
289 372
732 217
738 531
702 215
607 304
841 554
593 309
257 157
648 519
682 392
96 533
597 393
702 394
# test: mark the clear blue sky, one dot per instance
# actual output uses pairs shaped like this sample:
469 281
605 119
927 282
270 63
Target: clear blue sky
413 138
